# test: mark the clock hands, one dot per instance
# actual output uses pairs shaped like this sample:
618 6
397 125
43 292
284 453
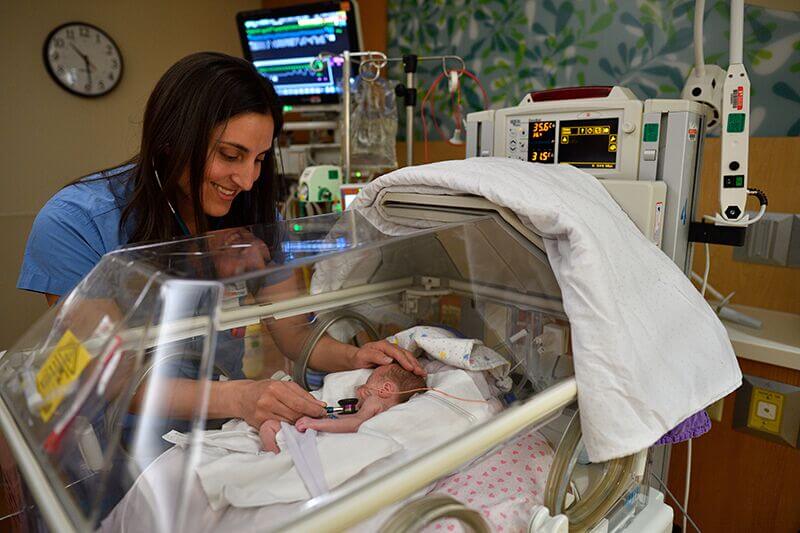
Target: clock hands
86 61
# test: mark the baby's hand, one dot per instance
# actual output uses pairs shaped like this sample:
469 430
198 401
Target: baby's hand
305 423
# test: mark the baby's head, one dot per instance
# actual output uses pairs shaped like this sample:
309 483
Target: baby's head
387 382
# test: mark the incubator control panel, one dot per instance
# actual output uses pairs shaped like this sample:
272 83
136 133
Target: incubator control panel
584 143
601 135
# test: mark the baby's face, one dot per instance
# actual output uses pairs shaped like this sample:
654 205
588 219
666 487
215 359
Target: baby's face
380 386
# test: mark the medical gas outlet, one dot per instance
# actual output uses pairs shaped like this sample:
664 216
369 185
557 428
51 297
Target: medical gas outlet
768 409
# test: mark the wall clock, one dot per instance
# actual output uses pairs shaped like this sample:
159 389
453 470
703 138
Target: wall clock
83 59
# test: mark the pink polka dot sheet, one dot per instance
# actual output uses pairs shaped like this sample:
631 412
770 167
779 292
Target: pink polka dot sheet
503 487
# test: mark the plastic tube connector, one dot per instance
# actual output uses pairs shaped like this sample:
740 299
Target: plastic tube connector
542 522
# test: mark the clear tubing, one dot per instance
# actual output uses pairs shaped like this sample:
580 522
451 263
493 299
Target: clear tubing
600 498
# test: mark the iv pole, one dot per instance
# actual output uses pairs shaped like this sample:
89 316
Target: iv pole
407 91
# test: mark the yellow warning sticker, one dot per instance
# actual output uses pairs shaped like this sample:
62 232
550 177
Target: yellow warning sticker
62 367
766 409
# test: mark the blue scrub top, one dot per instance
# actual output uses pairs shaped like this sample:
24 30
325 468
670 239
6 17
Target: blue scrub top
80 224
74 229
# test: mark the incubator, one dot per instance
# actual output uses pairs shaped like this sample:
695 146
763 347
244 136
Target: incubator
91 394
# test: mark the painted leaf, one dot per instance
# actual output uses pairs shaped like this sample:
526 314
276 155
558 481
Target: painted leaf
565 11
784 90
673 73
648 92
622 48
538 28
649 31
606 66
471 96
602 23
568 40
681 39
629 20
762 33
794 131
682 9
591 45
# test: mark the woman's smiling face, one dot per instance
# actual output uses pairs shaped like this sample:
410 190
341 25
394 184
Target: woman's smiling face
236 152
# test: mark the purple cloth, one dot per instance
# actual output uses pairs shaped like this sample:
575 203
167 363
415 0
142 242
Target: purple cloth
691 428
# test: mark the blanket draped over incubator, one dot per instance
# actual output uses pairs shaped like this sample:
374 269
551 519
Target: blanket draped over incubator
89 392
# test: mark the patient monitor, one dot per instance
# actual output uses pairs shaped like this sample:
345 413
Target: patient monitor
646 154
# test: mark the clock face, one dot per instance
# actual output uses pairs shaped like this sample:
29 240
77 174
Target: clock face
83 59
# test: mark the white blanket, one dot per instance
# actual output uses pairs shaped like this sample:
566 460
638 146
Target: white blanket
234 471
648 350
443 345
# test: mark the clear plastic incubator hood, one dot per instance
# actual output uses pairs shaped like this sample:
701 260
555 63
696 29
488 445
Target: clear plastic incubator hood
92 389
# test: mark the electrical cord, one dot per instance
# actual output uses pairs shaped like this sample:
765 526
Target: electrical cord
762 200
675 500
688 484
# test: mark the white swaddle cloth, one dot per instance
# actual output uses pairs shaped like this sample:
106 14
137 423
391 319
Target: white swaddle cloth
445 346
234 471
648 350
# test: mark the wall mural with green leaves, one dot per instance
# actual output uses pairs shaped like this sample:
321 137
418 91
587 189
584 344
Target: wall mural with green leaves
521 45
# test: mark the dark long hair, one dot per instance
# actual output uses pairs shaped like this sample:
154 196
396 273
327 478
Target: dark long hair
195 95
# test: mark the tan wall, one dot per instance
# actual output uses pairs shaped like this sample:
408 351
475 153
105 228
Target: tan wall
49 137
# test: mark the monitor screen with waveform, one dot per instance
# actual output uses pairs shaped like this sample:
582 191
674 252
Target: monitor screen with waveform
284 45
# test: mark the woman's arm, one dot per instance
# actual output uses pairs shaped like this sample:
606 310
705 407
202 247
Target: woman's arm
252 401
329 355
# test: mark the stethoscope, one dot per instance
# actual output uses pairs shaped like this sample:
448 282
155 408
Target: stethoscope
347 406
181 224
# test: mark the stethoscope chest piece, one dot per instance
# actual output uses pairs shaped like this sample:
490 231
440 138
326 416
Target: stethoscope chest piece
347 406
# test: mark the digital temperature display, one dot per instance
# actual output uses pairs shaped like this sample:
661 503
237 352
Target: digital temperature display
542 141
589 143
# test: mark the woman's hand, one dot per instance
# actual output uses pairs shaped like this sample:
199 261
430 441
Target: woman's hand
275 400
383 353
239 252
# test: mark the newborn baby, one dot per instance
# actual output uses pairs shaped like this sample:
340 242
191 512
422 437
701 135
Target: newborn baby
387 386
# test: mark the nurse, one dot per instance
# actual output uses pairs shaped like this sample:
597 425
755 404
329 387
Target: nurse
205 163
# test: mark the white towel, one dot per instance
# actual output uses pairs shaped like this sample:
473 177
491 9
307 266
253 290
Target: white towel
648 350
234 471
438 343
